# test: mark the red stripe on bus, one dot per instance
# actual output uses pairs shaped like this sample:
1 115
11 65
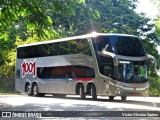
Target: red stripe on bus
83 79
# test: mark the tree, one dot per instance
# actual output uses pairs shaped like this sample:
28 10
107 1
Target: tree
101 16
28 18
25 19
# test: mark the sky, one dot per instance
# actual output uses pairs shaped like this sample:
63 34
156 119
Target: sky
147 7
150 9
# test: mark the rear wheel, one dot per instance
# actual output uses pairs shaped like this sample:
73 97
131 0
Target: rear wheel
123 98
93 92
82 92
29 90
36 91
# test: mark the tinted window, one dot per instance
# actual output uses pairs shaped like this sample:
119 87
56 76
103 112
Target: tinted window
127 46
54 49
105 64
121 45
66 72
101 43
133 72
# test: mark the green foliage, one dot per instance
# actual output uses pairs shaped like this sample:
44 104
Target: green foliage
12 12
7 69
154 85
101 16
157 26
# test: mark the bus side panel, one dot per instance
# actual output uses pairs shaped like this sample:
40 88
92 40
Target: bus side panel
47 86
67 86
28 69
18 82
25 72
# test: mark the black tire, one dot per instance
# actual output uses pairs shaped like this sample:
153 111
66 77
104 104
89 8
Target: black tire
111 98
41 94
29 90
123 98
93 92
82 92
35 90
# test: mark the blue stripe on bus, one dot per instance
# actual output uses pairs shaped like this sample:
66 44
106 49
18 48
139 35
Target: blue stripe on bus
58 79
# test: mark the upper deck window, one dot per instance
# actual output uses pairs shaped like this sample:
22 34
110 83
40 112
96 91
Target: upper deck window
55 49
120 45
127 46
101 43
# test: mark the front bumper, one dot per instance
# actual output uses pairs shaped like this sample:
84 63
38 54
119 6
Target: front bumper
129 89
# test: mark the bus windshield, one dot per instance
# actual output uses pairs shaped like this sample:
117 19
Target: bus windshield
120 45
127 46
132 73
126 71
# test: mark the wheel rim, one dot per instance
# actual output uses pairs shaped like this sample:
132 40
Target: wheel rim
28 89
91 91
81 92
35 90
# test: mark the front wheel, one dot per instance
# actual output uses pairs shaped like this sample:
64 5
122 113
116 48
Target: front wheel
123 98
29 90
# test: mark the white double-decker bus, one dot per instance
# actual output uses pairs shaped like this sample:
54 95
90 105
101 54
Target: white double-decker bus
93 64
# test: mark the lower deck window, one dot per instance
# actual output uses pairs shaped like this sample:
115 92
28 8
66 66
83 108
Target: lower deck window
66 72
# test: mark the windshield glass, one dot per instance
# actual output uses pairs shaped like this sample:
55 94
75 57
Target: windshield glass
127 46
120 45
132 73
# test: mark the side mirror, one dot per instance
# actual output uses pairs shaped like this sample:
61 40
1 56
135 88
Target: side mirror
154 61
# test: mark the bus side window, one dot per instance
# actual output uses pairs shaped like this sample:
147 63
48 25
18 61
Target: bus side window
59 72
108 71
101 44
66 72
106 66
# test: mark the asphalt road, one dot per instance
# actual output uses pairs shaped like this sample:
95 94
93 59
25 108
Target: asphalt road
72 107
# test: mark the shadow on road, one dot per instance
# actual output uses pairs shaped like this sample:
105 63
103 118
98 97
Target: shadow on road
106 99
54 103
73 106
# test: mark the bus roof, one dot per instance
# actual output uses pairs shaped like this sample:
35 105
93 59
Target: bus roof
93 34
